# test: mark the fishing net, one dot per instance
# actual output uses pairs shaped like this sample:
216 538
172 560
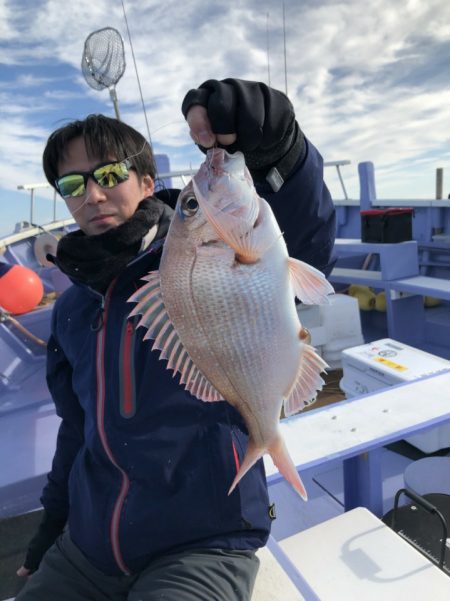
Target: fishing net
103 62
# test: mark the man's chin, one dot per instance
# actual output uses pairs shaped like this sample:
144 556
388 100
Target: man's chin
94 228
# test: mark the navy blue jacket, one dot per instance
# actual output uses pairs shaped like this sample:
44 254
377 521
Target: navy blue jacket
141 466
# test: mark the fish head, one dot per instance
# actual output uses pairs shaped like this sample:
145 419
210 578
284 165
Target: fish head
220 212
190 231
223 183
226 194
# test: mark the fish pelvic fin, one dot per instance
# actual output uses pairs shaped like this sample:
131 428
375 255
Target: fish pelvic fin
310 285
307 383
160 329
281 458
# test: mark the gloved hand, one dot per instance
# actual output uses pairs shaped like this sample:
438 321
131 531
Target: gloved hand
261 118
49 530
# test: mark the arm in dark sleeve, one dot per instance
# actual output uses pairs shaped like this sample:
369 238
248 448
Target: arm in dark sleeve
305 211
285 166
70 436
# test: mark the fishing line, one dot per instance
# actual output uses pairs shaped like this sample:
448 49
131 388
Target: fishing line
136 70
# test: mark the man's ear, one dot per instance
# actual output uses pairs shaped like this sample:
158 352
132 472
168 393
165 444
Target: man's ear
148 185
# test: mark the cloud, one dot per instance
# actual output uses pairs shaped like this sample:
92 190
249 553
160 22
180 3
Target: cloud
367 80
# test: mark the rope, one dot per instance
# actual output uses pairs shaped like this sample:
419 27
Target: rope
22 329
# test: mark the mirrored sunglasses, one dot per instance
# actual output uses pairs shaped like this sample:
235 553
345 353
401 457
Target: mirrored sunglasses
106 175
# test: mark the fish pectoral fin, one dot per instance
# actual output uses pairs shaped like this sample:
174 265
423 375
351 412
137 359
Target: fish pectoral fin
238 233
307 382
310 285
160 328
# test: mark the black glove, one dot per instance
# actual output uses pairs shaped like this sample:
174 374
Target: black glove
263 120
49 530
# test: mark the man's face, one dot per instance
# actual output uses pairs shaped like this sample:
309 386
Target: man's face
100 209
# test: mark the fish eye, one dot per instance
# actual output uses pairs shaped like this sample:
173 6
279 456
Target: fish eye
189 206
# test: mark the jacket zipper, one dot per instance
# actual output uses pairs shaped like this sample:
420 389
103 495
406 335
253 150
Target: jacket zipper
127 394
100 369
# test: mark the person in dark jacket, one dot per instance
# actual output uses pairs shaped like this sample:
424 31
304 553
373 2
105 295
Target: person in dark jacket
136 503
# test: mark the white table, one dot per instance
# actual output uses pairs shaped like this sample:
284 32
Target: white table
355 556
355 430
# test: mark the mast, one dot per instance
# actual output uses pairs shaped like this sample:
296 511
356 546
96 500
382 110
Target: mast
268 48
284 39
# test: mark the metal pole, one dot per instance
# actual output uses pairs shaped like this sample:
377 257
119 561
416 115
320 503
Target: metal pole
268 47
112 93
54 205
32 206
285 65
439 183
342 182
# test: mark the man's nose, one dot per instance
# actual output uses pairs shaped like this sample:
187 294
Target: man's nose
94 192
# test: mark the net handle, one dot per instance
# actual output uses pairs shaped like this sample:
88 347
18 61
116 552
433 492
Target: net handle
88 59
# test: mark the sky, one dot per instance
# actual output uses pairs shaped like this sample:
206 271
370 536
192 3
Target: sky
369 81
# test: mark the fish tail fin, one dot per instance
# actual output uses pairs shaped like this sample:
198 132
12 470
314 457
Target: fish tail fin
252 455
281 458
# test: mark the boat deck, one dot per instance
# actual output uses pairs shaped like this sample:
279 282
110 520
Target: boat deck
324 483
326 500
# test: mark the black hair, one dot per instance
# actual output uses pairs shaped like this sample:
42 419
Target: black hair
104 137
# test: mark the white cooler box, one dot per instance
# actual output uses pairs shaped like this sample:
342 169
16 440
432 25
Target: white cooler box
333 326
386 362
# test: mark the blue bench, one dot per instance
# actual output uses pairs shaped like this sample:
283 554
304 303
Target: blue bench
399 276
423 285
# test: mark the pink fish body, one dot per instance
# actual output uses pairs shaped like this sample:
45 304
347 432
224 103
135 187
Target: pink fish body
221 308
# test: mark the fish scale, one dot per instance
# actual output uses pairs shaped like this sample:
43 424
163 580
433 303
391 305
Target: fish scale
246 331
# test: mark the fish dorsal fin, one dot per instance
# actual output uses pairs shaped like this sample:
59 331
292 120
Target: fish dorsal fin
307 382
150 306
310 285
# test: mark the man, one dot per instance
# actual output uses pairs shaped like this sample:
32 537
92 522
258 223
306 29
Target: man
142 468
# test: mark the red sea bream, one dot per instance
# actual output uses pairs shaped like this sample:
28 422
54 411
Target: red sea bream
221 308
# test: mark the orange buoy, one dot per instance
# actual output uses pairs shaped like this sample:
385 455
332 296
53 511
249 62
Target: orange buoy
21 289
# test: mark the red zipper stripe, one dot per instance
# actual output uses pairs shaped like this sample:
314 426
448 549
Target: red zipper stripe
235 455
100 368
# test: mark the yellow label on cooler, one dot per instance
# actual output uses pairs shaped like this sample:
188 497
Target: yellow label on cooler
390 364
